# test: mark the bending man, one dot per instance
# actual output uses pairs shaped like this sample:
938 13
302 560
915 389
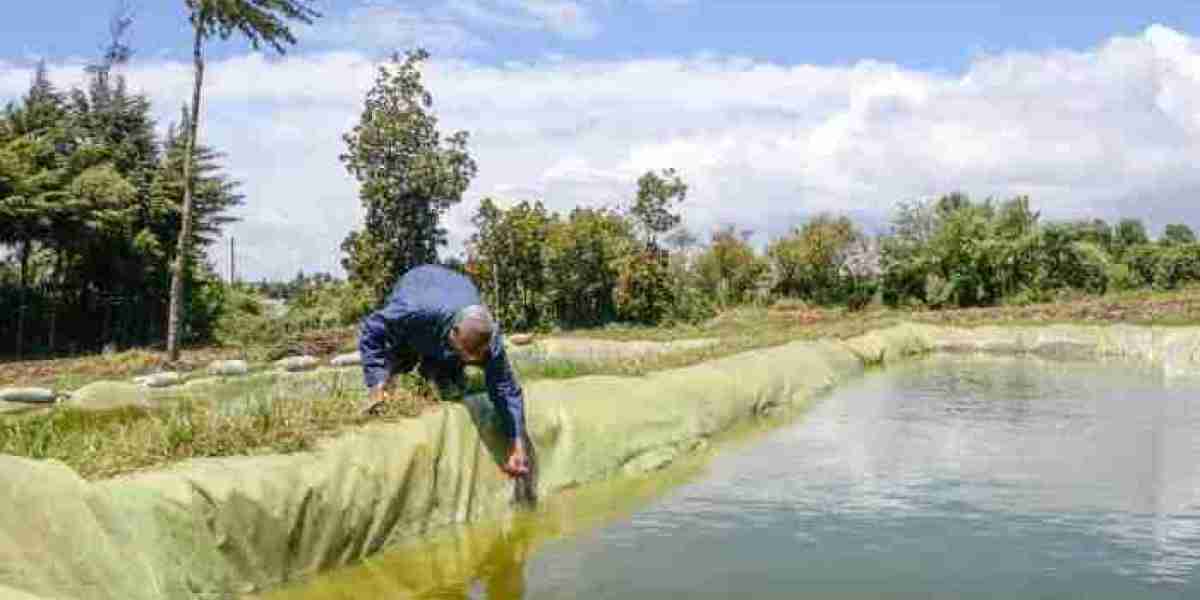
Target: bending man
434 316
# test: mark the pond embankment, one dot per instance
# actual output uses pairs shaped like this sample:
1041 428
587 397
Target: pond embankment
212 528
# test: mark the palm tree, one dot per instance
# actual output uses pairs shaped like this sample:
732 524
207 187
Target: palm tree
260 21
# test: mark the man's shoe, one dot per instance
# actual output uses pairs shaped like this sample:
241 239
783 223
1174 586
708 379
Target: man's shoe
369 407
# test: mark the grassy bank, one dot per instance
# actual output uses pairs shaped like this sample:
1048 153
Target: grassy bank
265 415
257 417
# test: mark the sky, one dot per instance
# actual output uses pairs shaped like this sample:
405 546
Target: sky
772 111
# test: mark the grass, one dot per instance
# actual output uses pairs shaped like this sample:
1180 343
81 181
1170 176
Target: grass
71 373
272 418
790 320
263 415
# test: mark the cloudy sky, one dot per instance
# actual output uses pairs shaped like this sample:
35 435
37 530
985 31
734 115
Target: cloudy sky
771 110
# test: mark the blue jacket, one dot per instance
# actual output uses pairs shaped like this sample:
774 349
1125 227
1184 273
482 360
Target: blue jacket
418 314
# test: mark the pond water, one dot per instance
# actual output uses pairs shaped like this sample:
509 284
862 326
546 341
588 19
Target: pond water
944 478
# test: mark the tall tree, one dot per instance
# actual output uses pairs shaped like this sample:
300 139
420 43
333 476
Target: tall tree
33 177
508 260
261 22
1177 233
1129 233
656 195
585 253
409 177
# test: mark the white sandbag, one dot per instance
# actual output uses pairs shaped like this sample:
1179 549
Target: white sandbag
297 363
27 395
228 367
157 380
347 360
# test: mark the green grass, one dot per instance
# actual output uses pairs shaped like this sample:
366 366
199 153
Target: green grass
270 413
226 421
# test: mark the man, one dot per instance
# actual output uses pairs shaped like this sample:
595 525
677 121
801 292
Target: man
434 316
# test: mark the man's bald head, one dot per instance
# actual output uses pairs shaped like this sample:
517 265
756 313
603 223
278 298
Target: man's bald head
471 335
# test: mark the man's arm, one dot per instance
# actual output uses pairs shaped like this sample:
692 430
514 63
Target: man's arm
506 395
503 388
376 344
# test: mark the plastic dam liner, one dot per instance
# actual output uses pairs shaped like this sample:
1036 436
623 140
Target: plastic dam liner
213 528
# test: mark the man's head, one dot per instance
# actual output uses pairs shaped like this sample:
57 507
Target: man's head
471 335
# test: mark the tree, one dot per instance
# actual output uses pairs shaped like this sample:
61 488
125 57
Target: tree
644 293
1095 231
810 263
584 254
1129 233
655 196
34 172
261 22
214 194
509 262
409 177
955 251
1178 233
728 269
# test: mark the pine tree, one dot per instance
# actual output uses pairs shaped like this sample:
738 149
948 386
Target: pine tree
33 176
214 197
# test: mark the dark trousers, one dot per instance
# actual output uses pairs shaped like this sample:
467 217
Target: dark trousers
445 374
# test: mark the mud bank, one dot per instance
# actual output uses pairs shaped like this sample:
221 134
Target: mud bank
213 528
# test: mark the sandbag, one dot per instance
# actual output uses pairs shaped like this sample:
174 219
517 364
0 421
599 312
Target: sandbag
29 395
297 363
228 367
347 360
158 380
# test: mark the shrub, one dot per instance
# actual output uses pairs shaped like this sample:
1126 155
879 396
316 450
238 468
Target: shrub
1177 265
644 293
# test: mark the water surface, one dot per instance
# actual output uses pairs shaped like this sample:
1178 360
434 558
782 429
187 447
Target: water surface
945 478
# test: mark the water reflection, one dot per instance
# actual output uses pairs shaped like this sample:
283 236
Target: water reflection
489 560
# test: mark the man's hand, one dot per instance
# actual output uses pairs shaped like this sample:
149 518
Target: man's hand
518 462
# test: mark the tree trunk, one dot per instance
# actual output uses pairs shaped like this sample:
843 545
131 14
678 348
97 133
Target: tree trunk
185 232
25 249
54 300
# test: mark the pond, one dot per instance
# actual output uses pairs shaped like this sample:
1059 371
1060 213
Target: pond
943 478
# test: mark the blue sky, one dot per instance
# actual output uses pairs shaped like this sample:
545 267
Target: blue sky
772 111
939 35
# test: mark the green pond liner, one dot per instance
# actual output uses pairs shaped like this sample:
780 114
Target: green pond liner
217 528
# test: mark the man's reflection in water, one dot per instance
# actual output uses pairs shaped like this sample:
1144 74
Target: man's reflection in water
504 568
501 573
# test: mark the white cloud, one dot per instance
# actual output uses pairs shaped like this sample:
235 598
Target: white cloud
564 17
393 27
1109 131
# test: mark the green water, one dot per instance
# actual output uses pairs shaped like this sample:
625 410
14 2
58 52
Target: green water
947 478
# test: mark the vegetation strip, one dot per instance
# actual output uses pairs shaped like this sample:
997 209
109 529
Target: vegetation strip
282 417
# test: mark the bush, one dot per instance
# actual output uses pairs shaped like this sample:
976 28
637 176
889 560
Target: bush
644 293
1089 268
859 292
1177 265
206 303
334 304
1121 277
1142 262
691 306
728 270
